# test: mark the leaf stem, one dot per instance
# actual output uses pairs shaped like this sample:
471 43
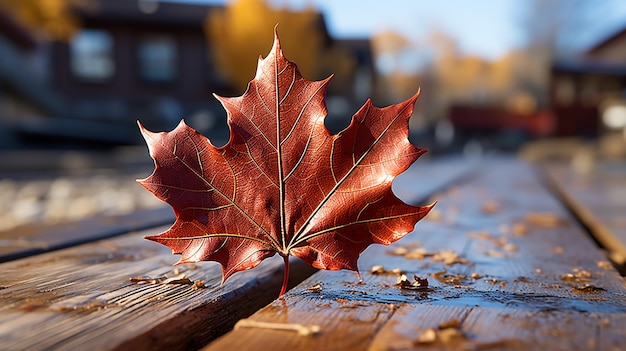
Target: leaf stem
283 289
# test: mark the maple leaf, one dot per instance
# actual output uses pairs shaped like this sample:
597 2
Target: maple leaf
283 184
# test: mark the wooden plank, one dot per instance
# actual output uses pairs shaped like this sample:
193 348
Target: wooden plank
598 199
504 328
35 239
427 177
526 276
82 298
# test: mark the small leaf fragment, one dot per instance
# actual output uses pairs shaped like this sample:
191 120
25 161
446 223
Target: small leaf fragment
180 278
380 270
428 336
588 288
317 288
417 284
303 330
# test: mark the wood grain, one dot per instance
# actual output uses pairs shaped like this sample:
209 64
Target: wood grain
82 298
526 276
35 239
598 199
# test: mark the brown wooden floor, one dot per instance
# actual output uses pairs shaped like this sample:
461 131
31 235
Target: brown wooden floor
506 254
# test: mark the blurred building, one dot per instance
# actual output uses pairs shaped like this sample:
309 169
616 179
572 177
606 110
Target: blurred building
588 93
349 90
144 60
130 60
16 48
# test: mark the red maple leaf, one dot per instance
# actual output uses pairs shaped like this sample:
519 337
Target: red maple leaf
283 184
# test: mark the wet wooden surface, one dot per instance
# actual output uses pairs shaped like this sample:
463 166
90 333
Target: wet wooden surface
123 292
507 266
84 298
35 239
598 198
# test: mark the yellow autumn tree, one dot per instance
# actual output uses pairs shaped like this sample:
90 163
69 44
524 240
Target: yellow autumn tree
242 30
53 19
394 84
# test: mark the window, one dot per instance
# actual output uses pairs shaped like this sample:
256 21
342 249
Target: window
158 59
91 55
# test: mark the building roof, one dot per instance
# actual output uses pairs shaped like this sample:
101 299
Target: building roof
147 12
608 41
590 66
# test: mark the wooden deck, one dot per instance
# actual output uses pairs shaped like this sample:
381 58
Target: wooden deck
504 261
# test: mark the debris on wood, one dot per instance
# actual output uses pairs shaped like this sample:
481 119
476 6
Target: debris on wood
588 288
417 254
145 280
90 306
449 257
498 241
606 265
303 330
544 219
418 283
510 247
449 335
558 250
317 288
348 304
446 335
177 279
399 251
490 207
180 278
428 336
519 229
482 235
451 323
450 279
198 284
496 253
377 270
577 276
380 270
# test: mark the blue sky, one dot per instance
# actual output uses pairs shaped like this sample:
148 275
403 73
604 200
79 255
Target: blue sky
482 27
487 28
